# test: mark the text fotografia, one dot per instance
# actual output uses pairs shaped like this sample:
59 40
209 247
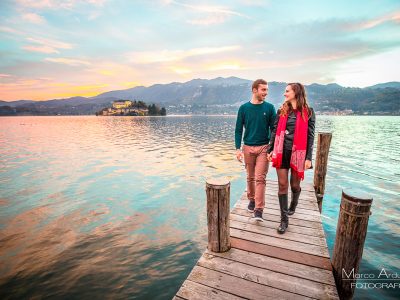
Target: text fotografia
382 280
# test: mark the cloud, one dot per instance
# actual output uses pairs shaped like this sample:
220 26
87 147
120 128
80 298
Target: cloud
254 2
43 45
9 30
213 9
209 14
40 4
50 42
225 66
56 4
371 23
33 18
48 88
177 55
210 20
68 61
40 49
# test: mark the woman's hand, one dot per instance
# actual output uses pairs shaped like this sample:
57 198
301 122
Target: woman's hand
307 164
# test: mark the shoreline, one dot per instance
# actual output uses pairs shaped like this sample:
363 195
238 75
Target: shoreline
203 115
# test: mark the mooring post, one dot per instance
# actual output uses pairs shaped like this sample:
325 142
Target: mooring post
349 243
321 165
218 200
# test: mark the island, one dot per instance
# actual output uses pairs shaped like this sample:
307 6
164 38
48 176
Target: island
131 108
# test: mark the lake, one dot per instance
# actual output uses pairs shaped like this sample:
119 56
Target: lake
115 207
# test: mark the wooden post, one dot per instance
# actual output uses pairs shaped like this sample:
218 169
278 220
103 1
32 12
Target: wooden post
218 200
321 165
350 237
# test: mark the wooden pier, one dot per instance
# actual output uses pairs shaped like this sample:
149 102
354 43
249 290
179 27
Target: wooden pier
262 264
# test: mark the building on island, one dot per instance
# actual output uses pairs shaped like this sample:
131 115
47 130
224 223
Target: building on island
124 108
122 104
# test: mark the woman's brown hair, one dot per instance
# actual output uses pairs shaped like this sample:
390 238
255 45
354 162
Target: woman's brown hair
301 99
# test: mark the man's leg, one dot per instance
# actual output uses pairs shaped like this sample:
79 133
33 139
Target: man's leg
250 162
261 170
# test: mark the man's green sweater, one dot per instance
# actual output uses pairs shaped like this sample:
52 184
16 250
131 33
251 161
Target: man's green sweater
258 121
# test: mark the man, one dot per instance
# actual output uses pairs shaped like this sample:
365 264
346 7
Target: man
257 117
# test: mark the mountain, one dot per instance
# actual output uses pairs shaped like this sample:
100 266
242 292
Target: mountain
392 84
206 95
201 91
15 103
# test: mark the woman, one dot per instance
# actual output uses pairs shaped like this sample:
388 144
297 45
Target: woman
291 146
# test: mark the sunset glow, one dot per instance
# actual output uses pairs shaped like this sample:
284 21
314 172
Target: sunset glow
56 49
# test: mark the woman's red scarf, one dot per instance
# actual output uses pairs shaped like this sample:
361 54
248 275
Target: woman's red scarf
299 143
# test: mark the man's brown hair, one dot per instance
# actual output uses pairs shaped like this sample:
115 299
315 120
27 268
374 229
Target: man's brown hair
257 83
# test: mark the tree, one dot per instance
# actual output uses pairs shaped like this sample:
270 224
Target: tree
163 111
152 110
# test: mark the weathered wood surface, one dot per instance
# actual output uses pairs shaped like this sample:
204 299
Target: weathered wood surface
350 237
262 264
321 165
218 200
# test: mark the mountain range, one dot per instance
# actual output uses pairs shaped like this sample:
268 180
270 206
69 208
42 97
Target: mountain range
201 95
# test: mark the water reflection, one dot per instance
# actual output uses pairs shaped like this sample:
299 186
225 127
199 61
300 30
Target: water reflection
115 206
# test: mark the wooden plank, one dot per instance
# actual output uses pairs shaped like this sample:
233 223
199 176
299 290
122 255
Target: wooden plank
195 291
276 218
305 198
281 253
277 212
300 210
263 264
238 286
304 187
281 243
273 199
270 278
278 265
274 224
301 204
289 235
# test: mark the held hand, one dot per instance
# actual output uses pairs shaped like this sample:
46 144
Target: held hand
307 164
239 155
269 156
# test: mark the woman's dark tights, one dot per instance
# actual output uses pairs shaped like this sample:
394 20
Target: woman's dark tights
283 181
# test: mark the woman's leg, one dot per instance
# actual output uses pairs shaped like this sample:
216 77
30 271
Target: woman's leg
295 187
294 182
283 198
283 181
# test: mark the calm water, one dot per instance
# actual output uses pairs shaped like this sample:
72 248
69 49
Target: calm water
114 207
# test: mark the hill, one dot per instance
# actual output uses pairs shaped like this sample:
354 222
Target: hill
224 95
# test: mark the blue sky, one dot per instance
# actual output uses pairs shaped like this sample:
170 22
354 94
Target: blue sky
54 49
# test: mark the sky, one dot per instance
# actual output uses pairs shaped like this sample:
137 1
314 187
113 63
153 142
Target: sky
53 49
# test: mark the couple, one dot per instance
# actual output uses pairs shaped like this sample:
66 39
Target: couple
285 138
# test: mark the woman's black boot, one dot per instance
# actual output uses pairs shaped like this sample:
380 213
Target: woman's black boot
294 202
283 203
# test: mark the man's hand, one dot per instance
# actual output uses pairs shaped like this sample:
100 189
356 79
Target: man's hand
307 164
269 156
239 155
